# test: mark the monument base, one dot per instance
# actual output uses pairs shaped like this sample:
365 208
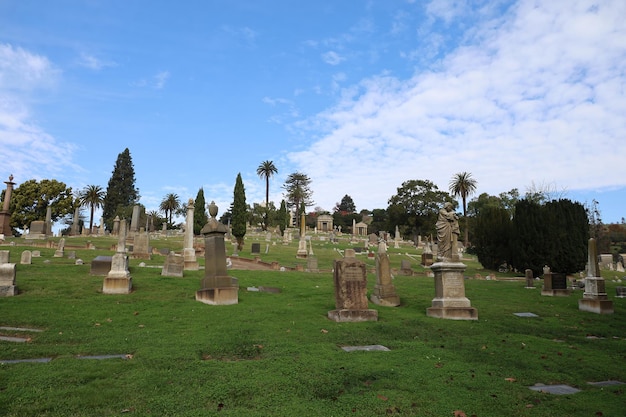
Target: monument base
218 296
596 306
8 290
556 293
453 313
352 316
117 285
385 295
450 301
191 266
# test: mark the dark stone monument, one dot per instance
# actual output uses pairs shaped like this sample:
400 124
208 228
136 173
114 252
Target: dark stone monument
217 288
554 285
255 249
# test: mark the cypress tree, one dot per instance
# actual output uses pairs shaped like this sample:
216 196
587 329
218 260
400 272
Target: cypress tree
240 212
121 193
493 236
200 217
283 217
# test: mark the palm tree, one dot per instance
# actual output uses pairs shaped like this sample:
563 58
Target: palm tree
169 204
463 185
265 170
92 196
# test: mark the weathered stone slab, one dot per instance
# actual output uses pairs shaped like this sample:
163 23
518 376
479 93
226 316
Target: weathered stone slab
101 357
14 339
525 314
560 389
37 360
174 265
101 265
26 258
19 329
606 383
7 280
367 348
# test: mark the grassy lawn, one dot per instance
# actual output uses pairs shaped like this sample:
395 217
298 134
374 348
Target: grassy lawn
279 355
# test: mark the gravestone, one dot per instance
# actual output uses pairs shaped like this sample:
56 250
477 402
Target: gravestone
189 253
118 280
4 256
116 226
134 220
311 264
27 258
405 267
174 265
36 230
101 265
36 254
255 249
350 279
60 248
141 245
554 285
217 288
384 291
595 299
530 283
7 280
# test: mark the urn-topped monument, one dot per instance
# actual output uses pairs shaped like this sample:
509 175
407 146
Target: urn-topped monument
217 288
450 301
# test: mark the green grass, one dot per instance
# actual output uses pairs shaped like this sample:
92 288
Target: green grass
279 355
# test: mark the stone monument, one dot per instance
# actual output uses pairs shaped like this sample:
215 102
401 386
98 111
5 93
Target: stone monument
595 299
189 253
5 215
7 280
302 246
384 291
217 288
141 245
530 283
450 301
134 220
173 266
60 252
75 226
554 284
118 280
350 278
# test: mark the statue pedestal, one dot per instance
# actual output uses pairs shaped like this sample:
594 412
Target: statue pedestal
450 301
191 263
118 280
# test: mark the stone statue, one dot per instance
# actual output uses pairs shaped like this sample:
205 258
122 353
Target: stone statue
447 233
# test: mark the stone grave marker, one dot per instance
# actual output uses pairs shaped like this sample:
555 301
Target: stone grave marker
554 284
118 280
255 248
7 280
141 245
384 293
4 256
27 258
350 279
174 265
60 249
595 299
36 254
405 267
101 265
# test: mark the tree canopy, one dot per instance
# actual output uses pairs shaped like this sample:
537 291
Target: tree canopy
91 196
298 192
346 206
121 193
169 204
462 185
31 199
239 212
200 217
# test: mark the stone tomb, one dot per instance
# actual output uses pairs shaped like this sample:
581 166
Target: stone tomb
217 288
350 279
173 266
554 285
450 301
101 265
7 280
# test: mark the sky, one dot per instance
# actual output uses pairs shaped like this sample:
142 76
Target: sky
359 95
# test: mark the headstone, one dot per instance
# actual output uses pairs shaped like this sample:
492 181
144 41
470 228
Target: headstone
427 259
141 245
350 279
36 254
620 292
27 258
595 299
530 283
189 253
71 254
217 288
4 256
36 230
75 219
554 284
174 265
60 248
116 226
255 249
405 267
101 265
118 280
134 220
384 291
7 280
311 264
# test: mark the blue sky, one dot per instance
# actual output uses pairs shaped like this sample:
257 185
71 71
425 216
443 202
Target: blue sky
359 95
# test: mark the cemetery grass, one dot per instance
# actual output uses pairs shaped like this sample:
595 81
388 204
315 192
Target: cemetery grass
278 354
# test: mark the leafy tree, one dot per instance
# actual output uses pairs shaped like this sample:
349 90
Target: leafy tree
298 192
416 205
346 206
91 196
266 170
155 221
240 212
121 193
200 216
169 204
31 199
463 185
493 234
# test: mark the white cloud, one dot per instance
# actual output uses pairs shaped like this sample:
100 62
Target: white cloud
93 62
538 96
332 58
28 151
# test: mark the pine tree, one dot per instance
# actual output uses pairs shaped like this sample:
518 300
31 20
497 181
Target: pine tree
240 212
283 217
121 193
200 217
